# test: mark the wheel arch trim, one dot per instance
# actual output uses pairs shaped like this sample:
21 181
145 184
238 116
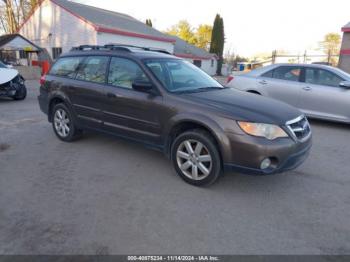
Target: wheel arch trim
198 119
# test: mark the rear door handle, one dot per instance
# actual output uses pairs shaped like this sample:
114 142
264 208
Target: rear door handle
307 88
263 82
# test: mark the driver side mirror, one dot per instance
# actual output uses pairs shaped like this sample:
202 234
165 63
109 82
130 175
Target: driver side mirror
143 86
345 84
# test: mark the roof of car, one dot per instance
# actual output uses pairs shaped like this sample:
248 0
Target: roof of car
262 70
131 52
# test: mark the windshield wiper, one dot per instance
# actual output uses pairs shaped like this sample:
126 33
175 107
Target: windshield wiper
207 88
200 89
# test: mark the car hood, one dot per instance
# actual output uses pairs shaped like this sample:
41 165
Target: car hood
245 106
7 74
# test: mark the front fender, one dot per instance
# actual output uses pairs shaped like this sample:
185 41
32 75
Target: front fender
200 119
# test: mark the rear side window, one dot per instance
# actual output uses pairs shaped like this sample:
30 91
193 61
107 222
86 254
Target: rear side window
66 66
123 72
289 73
93 69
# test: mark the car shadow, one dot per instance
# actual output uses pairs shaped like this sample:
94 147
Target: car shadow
229 181
5 100
330 124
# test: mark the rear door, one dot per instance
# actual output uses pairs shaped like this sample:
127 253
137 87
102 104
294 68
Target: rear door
129 112
282 83
87 90
322 95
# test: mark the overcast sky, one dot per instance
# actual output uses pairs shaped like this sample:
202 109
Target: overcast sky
251 26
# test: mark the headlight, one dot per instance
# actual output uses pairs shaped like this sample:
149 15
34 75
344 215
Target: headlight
268 131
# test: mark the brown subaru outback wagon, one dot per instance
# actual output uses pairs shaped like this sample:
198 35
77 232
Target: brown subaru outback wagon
169 104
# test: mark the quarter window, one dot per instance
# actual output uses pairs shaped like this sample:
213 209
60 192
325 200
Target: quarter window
123 72
93 69
289 73
321 77
66 67
268 74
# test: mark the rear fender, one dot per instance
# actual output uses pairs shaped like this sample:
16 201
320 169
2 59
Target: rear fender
61 96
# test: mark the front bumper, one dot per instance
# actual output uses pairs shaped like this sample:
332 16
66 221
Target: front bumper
248 152
10 88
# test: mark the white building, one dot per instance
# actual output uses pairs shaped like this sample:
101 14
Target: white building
58 25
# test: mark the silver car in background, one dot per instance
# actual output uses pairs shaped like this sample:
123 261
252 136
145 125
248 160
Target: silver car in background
319 91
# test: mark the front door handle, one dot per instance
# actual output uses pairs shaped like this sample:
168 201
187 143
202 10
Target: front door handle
263 82
307 88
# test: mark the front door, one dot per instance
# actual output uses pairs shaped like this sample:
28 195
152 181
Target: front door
128 112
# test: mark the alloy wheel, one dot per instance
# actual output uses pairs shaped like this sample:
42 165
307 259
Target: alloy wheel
194 159
62 122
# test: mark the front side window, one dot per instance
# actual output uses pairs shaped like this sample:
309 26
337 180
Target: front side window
124 72
181 76
66 67
289 73
93 69
321 77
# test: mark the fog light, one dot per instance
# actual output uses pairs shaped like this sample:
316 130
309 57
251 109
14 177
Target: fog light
266 163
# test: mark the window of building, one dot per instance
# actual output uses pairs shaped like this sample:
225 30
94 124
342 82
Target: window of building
123 72
197 63
56 52
321 77
93 69
212 63
23 54
66 66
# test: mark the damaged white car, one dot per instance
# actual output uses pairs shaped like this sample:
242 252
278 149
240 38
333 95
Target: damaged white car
11 83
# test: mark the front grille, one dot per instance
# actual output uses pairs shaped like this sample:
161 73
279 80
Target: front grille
299 127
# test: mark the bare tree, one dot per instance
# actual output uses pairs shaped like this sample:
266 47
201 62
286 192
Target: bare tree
13 13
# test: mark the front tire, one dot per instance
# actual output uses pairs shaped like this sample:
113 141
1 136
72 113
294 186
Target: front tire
20 93
196 158
63 124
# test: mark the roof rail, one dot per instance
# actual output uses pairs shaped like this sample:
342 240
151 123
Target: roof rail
87 47
114 46
117 47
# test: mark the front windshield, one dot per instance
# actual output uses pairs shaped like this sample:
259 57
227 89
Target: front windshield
343 73
181 76
2 65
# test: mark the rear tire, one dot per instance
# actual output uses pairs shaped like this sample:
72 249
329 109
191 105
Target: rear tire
21 93
63 124
196 158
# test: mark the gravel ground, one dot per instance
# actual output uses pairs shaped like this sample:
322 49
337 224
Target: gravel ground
102 195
